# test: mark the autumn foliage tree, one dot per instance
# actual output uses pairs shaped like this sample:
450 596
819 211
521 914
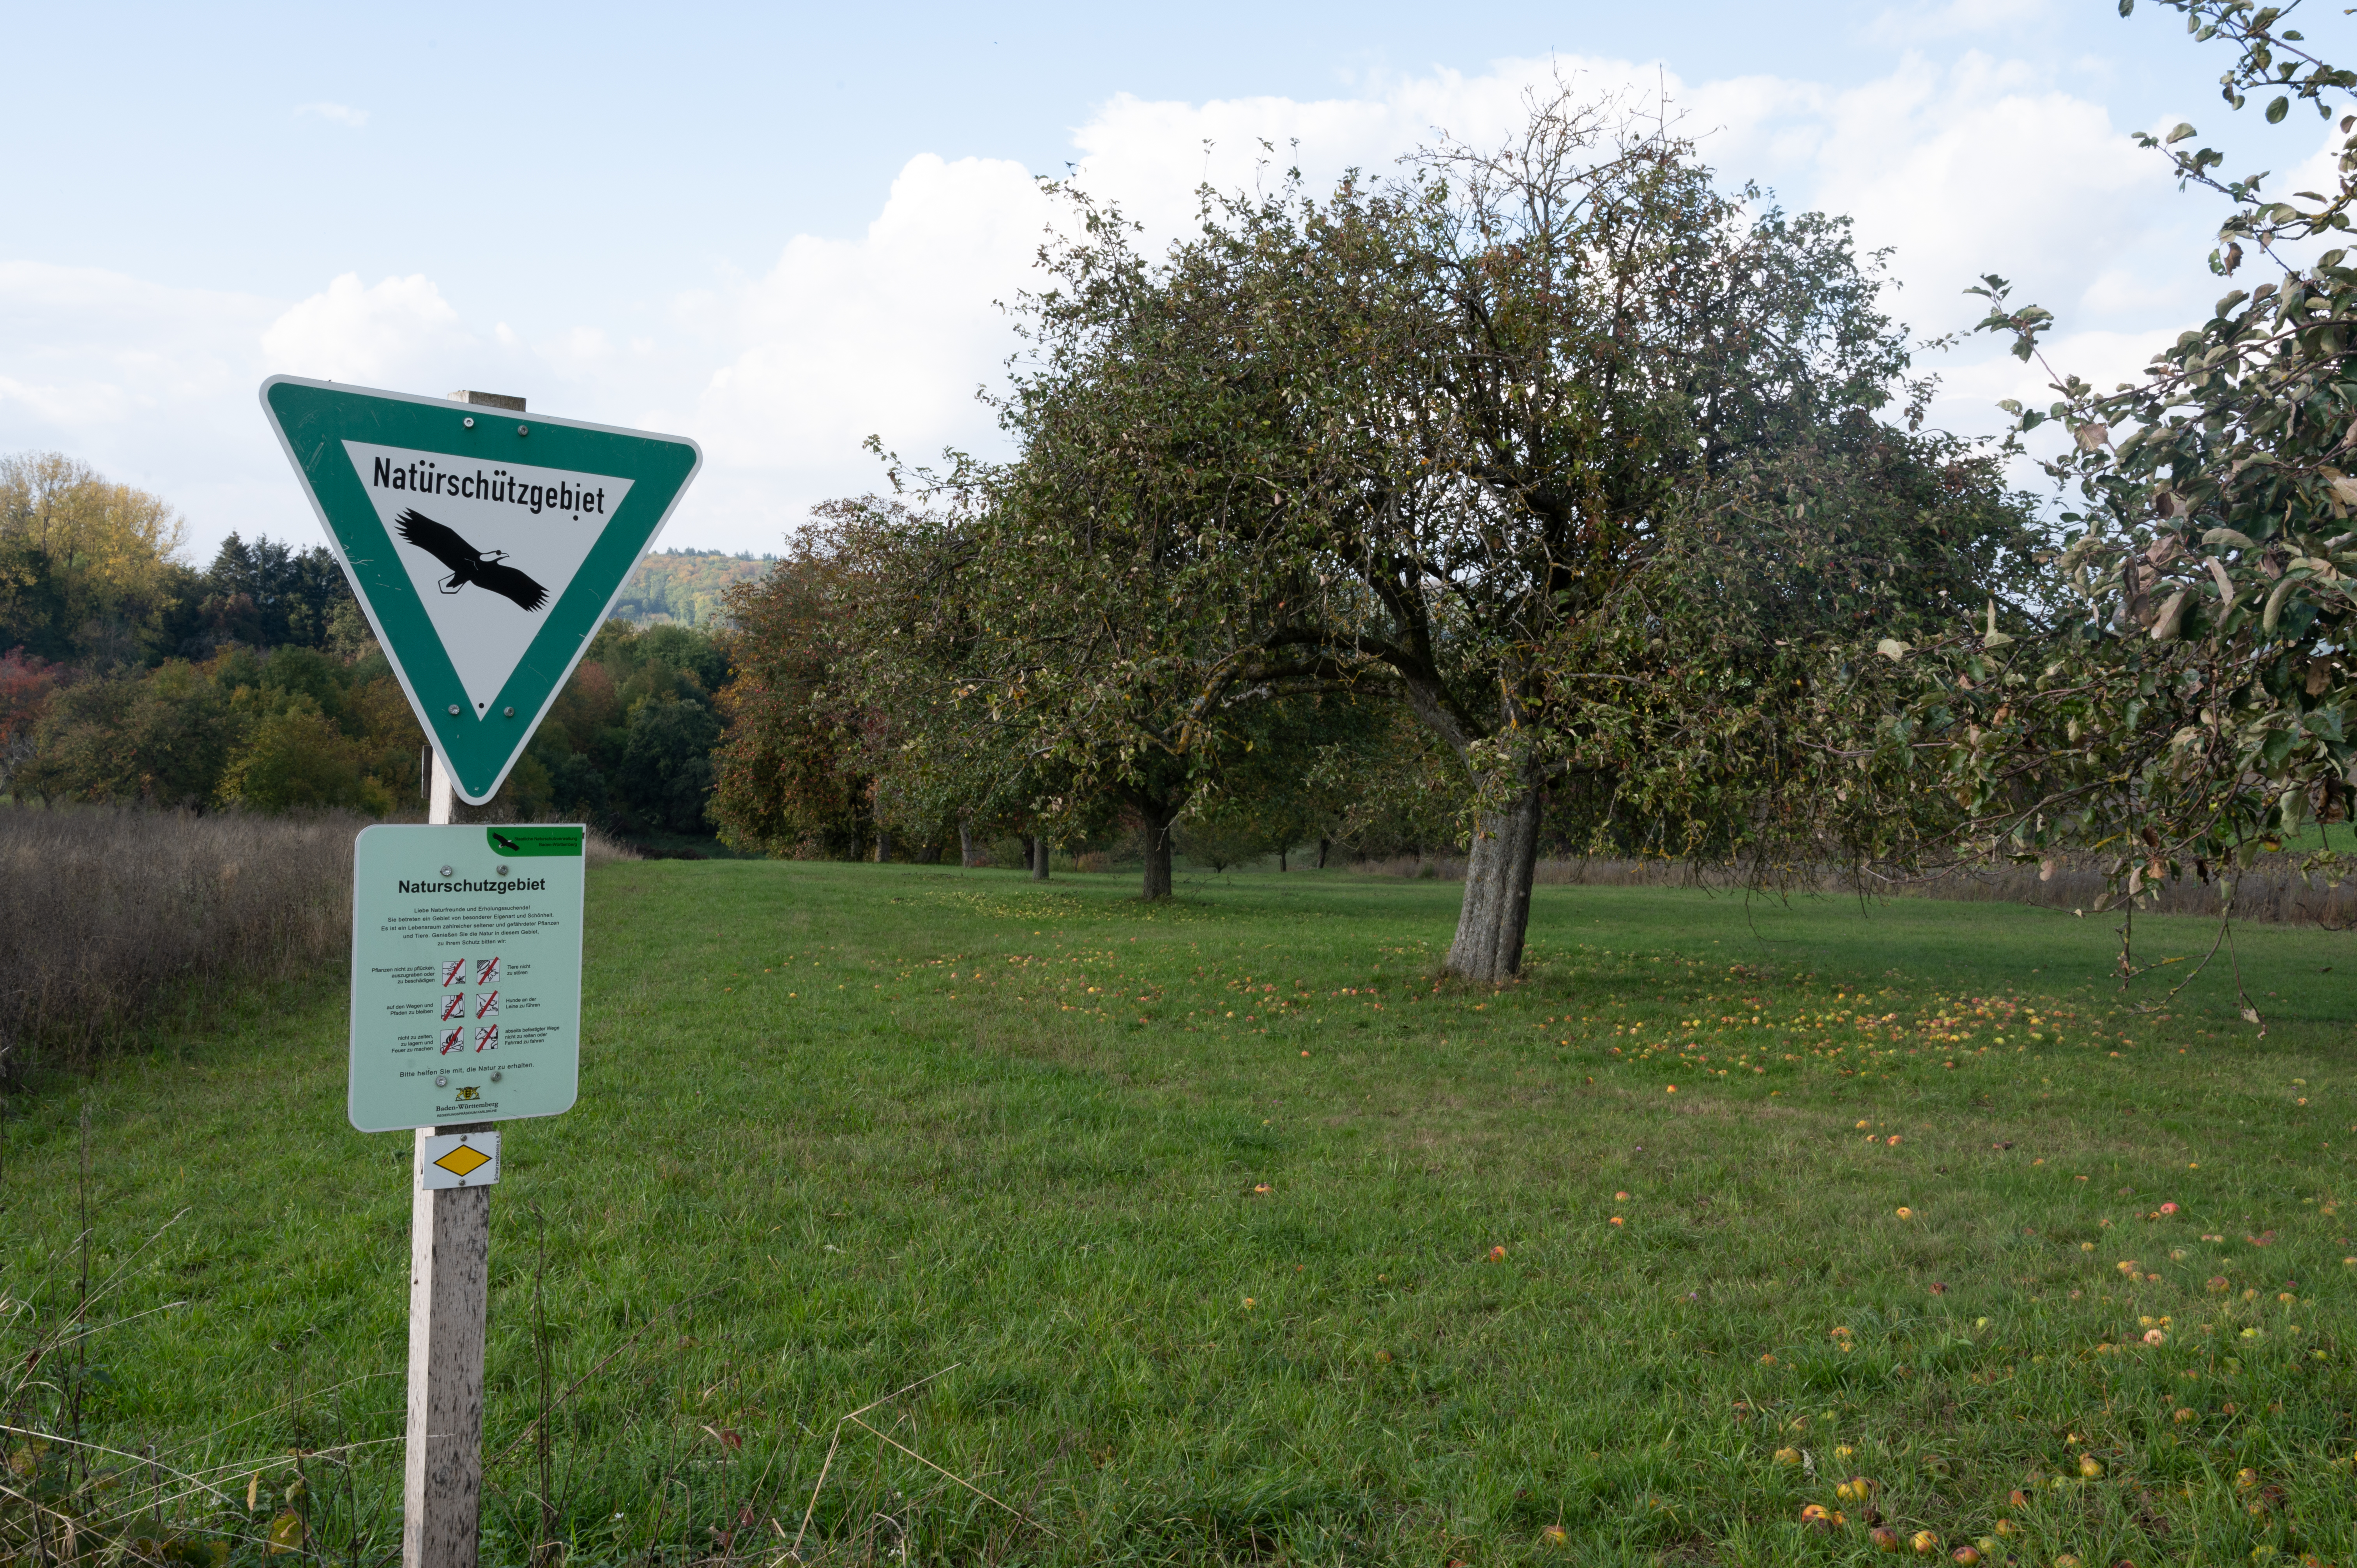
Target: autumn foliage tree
86 564
791 774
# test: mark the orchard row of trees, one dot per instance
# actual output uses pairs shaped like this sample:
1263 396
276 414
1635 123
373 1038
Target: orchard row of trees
1556 489
1548 493
1536 490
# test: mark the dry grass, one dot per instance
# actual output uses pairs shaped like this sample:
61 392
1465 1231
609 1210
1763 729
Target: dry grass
108 913
105 913
2275 891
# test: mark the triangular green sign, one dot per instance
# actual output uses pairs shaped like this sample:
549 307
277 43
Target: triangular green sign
487 547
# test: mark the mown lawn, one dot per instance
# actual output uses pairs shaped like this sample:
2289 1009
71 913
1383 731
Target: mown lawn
1223 1234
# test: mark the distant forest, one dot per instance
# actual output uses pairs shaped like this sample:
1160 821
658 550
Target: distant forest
682 587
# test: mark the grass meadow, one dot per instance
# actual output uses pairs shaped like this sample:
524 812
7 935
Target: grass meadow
979 1220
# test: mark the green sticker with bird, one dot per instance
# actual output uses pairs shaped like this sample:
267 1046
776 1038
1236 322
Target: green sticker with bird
522 842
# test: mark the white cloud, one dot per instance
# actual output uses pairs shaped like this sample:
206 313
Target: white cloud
340 113
888 334
1153 156
1983 167
151 383
1969 166
398 331
1965 165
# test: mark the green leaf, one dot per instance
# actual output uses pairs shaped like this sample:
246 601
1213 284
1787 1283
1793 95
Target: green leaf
2184 129
2277 110
2274 611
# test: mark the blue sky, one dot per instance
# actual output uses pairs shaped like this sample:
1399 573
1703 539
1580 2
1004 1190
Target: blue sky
780 230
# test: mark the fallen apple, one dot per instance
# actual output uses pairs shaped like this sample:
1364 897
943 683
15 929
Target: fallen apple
1925 1543
1885 1539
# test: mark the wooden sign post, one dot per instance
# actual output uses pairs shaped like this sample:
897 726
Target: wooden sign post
449 1308
466 1002
486 549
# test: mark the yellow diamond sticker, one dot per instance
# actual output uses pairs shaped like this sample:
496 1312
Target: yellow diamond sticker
447 1160
464 1160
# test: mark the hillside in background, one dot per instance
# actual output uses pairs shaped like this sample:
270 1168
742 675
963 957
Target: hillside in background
683 586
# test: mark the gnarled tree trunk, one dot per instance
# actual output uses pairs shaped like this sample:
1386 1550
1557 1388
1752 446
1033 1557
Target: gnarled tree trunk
1157 856
1039 858
965 843
883 847
1496 910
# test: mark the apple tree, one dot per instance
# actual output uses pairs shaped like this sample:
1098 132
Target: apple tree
1572 454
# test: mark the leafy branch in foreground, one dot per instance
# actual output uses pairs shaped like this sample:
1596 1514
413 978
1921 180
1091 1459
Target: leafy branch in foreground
2272 58
2184 701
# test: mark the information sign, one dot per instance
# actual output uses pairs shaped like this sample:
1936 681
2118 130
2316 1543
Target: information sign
465 975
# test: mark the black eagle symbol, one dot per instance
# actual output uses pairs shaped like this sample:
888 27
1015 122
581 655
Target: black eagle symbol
502 842
467 563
